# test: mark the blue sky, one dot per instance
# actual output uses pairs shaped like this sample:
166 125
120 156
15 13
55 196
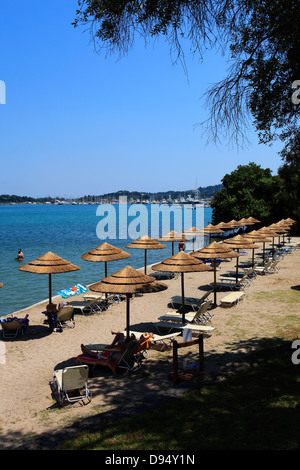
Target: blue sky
76 122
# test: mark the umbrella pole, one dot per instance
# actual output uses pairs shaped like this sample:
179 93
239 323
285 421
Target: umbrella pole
172 248
215 283
145 261
50 288
182 298
127 314
105 274
237 267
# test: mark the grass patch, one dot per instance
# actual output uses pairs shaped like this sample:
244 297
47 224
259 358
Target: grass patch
288 297
257 409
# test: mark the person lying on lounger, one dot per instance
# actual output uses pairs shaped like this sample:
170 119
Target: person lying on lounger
119 338
22 321
119 344
106 354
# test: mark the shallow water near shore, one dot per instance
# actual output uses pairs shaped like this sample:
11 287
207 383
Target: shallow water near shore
68 231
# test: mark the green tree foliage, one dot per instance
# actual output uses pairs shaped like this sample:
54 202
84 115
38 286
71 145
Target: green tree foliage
247 191
286 200
264 43
262 38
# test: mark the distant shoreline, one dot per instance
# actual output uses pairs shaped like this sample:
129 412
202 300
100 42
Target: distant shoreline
201 203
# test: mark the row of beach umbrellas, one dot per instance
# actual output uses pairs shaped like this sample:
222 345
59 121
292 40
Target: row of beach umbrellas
130 281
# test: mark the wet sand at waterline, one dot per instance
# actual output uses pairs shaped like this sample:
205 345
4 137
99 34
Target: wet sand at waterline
30 417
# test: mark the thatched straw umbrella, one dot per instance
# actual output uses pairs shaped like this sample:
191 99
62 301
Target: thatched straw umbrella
268 233
128 281
173 237
193 232
50 264
181 263
252 219
289 220
245 223
146 243
224 226
239 242
255 237
215 251
234 223
210 228
279 229
105 253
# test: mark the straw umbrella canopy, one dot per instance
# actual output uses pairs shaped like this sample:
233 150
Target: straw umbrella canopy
210 228
234 223
49 263
279 229
173 237
285 226
215 251
288 223
181 263
289 220
105 253
128 281
285 222
193 232
146 243
224 226
255 236
268 233
239 242
245 223
252 219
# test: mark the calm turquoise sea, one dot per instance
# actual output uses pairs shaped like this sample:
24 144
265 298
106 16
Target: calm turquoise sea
70 231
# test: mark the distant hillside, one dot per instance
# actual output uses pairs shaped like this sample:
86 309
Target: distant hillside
203 193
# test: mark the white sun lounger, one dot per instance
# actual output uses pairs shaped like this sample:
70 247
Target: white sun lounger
202 329
232 299
71 379
202 315
195 303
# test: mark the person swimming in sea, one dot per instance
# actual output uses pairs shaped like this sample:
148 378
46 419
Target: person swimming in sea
20 256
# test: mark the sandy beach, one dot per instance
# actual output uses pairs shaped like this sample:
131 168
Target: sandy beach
30 417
